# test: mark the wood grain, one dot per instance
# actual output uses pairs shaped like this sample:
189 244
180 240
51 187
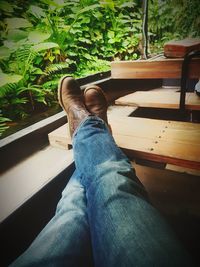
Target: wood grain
159 99
162 141
181 47
182 170
157 69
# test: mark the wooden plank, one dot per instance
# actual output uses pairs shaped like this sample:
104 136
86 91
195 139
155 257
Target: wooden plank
184 125
165 89
137 127
134 154
156 140
193 101
181 136
158 69
181 47
181 132
159 99
151 99
182 170
161 150
60 137
114 110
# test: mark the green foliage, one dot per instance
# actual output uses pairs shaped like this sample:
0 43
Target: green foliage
173 19
43 40
16 23
3 125
43 46
12 78
57 68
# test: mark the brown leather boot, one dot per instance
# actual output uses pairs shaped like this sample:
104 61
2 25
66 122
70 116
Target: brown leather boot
71 99
96 102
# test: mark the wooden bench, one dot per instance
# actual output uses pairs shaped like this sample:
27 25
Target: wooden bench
160 141
167 142
180 48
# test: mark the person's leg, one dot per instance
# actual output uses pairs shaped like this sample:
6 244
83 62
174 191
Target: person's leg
65 241
125 229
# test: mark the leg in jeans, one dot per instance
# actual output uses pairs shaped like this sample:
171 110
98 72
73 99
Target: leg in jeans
125 229
65 241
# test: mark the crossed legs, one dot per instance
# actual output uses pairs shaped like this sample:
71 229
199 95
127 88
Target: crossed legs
104 217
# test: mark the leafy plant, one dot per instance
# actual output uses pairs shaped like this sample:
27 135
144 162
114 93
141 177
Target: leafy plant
43 40
3 125
62 40
173 19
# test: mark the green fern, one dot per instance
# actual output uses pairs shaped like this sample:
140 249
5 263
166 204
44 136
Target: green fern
51 84
8 88
25 54
56 68
3 125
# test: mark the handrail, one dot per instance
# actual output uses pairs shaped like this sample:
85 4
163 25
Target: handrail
184 76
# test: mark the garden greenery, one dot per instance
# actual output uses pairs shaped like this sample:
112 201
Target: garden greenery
173 19
43 40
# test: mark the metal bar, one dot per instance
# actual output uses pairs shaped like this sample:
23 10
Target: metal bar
184 76
145 28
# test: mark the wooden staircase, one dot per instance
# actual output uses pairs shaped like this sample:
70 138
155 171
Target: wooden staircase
165 98
166 142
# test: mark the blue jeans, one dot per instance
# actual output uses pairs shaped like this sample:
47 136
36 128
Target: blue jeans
104 217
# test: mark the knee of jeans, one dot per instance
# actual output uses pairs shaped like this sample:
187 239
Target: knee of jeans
113 166
121 176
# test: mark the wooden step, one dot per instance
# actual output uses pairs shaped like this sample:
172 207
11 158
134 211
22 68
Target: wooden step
181 47
60 137
159 99
167 142
156 69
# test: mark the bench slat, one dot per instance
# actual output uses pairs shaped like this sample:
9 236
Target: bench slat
181 47
144 138
157 69
165 99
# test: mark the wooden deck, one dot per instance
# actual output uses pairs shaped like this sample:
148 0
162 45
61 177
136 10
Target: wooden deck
172 143
156 69
159 99
162 141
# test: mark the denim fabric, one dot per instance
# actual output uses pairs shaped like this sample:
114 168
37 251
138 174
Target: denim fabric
104 206
65 241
